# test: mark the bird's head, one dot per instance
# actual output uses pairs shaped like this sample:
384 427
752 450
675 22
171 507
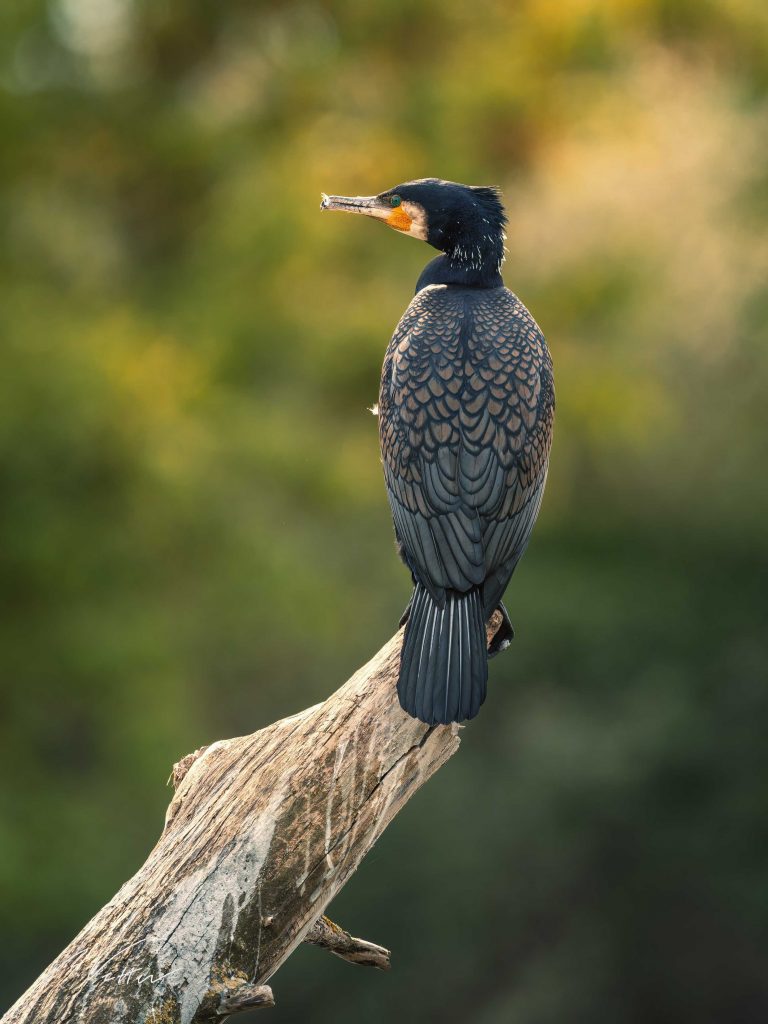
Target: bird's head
466 222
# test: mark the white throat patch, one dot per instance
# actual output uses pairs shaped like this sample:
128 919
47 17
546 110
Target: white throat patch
418 228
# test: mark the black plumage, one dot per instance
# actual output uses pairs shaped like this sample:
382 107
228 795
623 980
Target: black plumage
465 418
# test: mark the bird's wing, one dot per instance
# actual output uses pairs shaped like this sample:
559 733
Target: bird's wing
465 417
508 427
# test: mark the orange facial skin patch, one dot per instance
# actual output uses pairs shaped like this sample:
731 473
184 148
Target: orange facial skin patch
399 220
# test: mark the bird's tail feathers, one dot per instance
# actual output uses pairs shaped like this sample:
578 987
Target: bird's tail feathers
444 665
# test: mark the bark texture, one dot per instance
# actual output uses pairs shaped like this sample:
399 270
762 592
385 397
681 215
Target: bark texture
261 834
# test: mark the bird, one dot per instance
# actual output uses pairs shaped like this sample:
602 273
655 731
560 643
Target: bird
466 408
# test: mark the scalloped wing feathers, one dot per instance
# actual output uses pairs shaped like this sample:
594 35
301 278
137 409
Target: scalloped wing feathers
465 420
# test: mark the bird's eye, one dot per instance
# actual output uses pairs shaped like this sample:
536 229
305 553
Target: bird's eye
395 200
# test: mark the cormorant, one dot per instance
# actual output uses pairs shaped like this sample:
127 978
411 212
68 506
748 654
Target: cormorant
465 424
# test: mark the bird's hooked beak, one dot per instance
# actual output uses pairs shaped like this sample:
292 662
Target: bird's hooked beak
406 217
371 206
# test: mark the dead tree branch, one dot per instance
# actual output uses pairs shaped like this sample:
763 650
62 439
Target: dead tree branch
261 834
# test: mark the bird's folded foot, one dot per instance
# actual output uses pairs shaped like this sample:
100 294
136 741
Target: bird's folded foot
504 635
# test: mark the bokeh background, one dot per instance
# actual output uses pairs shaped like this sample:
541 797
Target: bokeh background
195 537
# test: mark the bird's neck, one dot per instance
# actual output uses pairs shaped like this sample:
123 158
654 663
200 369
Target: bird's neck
471 259
445 270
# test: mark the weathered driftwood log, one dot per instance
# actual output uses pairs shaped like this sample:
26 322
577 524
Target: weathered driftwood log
261 834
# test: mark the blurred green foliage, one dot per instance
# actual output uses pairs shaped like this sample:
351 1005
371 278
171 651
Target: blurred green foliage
195 537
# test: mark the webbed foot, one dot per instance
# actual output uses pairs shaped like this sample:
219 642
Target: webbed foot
504 635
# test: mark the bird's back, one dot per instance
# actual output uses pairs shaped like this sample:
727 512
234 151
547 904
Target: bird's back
465 414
